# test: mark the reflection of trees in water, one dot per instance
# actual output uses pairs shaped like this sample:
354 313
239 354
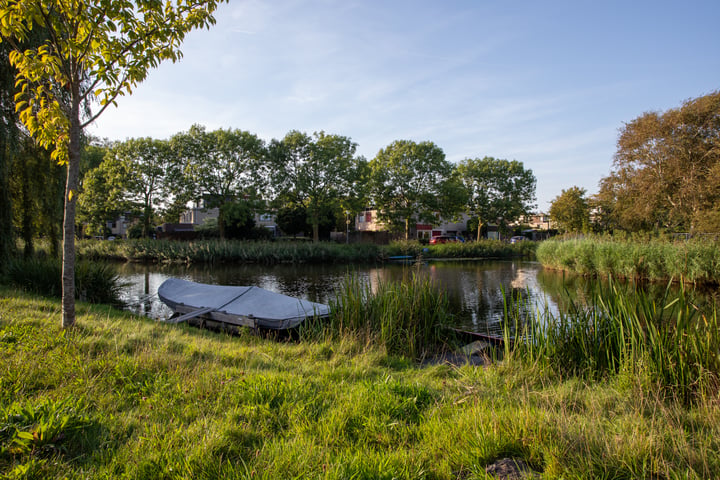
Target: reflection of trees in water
476 290
569 291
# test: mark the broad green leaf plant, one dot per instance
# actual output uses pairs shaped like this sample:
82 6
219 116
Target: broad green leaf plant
94 52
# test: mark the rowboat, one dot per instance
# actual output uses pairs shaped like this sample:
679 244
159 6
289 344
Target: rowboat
236 305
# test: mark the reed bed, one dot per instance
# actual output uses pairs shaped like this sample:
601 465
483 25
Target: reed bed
94 282
231 251
695 261
671 343
406 317
483 249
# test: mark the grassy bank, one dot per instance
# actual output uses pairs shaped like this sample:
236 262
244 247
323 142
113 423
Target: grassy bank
655 259
125 397
228 251
483 249
233 251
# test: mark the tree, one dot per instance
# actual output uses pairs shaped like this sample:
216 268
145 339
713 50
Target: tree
497 189
94 50
103 197
413 182
316 172
570 210
666 169
8 133
221 166
141 167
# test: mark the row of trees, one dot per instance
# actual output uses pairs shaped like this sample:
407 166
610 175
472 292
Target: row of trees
319 175
665 176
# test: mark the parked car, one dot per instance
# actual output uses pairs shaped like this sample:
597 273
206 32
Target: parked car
517 239
446 239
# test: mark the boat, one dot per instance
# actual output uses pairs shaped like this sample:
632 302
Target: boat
236 305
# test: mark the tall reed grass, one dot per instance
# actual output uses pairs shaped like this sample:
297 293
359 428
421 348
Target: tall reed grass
696 261
216 251
94 282
406 317
672 342
481 249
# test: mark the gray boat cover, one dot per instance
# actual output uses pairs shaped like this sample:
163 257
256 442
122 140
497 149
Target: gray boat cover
269 309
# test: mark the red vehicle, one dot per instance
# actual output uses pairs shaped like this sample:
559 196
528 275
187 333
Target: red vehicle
446 239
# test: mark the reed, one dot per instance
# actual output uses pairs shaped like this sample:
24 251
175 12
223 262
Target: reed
673 342
406 317
656 259
481 249
94 282
235 251
216 251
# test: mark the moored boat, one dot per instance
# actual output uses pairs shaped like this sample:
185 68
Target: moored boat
237 305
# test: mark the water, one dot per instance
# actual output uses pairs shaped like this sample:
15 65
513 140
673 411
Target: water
476 289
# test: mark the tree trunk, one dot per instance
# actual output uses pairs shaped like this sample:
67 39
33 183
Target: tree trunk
407 229
221 221
479 228
71 191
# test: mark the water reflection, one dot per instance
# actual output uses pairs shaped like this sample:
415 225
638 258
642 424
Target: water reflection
476 289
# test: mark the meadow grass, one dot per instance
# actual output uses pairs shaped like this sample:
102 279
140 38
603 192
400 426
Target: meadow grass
125 397
695 261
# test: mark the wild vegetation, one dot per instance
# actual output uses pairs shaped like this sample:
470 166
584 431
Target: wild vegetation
213 251
655 259
126 397
96 282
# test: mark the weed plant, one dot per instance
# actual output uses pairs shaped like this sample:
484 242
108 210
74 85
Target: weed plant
406 317
94 282
672 343
483 249
233 251
125 397
656 259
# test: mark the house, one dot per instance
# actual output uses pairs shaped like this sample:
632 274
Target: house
198 213
369 226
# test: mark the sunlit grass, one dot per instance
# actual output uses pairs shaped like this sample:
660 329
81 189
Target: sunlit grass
650 259
126 397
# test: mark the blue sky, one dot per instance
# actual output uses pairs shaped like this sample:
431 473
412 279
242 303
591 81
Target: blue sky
545 83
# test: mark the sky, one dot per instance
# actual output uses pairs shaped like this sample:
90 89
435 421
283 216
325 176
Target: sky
549 84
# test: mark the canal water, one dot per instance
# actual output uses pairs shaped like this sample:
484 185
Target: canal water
476 289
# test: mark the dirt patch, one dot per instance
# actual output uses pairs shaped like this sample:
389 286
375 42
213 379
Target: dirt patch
511 469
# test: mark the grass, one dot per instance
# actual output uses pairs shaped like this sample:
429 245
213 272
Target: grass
695 261
234 251
125 397
94 282
406 317
672 343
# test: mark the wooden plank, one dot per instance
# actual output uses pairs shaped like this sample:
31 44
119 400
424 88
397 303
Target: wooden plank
192 314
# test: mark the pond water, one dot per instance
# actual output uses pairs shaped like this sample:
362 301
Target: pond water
476 289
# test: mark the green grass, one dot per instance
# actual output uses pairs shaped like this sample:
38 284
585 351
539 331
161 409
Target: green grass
406 317
125 397
672 342
234 251
695 261
95 282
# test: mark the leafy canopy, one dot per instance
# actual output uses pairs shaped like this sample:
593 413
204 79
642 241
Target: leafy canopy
95 50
